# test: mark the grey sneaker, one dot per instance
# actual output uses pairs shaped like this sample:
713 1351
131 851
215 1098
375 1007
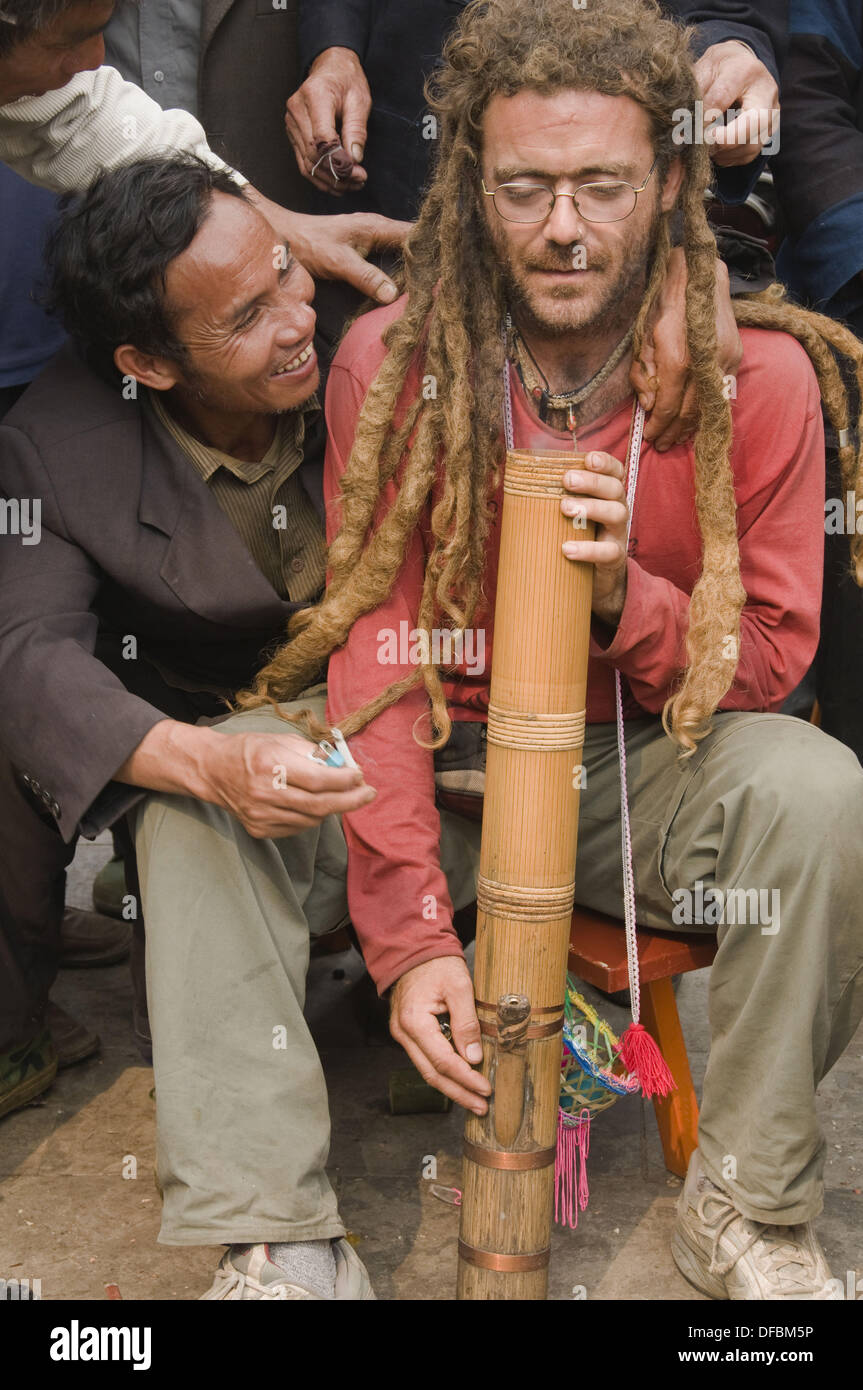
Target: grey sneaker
26 1071
724 1255
250 1273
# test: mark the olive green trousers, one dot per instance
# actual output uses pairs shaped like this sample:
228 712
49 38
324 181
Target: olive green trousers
757 837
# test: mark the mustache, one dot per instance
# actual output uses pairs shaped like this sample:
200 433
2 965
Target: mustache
564 262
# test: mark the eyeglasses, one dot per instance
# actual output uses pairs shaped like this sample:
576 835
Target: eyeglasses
597 202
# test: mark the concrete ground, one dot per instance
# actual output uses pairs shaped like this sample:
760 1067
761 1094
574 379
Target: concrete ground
73 1216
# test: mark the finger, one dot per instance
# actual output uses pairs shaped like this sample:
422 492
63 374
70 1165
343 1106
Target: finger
369 279
324 110
324 175
265 821
608 552
298 144
462 1094
735 76
752 125
644 374
602 485
731 156
425 1031
669 397
291 755
684 426
336 188
744 138
318 805
297 119
642 378
381 233
707 74
599 462
741 140
582 510
356 112
327 185
299 127
464 1022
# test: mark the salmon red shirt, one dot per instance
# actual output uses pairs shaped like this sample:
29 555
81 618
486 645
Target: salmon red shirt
397 893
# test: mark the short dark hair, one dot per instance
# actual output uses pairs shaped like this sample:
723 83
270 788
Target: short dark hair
21 19
107 257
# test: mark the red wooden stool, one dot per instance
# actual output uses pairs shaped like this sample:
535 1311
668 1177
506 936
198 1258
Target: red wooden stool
597 953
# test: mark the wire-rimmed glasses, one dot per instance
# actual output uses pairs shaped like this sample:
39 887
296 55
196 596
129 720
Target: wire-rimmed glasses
605 201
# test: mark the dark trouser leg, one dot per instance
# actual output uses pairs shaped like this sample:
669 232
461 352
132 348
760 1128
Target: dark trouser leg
32 890
839 663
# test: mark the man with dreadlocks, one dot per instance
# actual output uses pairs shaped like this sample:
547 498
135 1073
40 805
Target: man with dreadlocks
530 274
558 188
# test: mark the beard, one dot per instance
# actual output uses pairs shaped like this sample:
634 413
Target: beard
609 307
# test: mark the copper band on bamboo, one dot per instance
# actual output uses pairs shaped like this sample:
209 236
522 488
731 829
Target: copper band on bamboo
534 732
534 475
526 1162
534 1030
523 904
504 1264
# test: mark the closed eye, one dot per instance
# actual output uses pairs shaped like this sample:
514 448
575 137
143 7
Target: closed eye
254 313
604 190
249 320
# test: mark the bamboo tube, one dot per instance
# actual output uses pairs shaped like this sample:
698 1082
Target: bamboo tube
526 881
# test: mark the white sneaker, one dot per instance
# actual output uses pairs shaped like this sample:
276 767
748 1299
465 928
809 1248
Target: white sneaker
724 1255
250 1273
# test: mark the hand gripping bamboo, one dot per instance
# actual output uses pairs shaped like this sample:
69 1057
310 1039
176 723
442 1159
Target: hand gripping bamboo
526 881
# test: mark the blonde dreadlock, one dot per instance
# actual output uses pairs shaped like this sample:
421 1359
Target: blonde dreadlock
451 324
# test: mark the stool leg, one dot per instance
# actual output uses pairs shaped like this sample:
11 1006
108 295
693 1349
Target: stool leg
677 1114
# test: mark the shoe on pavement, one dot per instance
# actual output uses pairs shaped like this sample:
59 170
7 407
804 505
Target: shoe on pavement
725 1255
89 939
250 1273
73 1042
109 888
26 1071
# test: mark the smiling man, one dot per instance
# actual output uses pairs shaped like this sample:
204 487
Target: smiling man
180 528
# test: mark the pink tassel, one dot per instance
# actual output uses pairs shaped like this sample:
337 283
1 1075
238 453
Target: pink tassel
640 1054
570 1181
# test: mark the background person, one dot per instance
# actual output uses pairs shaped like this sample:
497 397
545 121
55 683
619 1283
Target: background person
64 118
819 184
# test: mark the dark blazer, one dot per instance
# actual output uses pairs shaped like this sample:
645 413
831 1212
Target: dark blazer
133 544
249 67
399 43
819 168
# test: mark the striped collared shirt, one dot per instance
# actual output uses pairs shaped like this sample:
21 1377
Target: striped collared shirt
265 501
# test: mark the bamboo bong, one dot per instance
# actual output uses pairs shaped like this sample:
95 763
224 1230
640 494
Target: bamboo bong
526 881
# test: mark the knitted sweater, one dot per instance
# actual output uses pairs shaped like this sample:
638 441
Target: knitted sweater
63 139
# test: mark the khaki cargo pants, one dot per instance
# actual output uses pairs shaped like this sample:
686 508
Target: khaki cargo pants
767 803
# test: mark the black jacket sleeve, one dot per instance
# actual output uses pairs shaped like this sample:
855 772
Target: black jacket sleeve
820 160
763 26
333 24
819 167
